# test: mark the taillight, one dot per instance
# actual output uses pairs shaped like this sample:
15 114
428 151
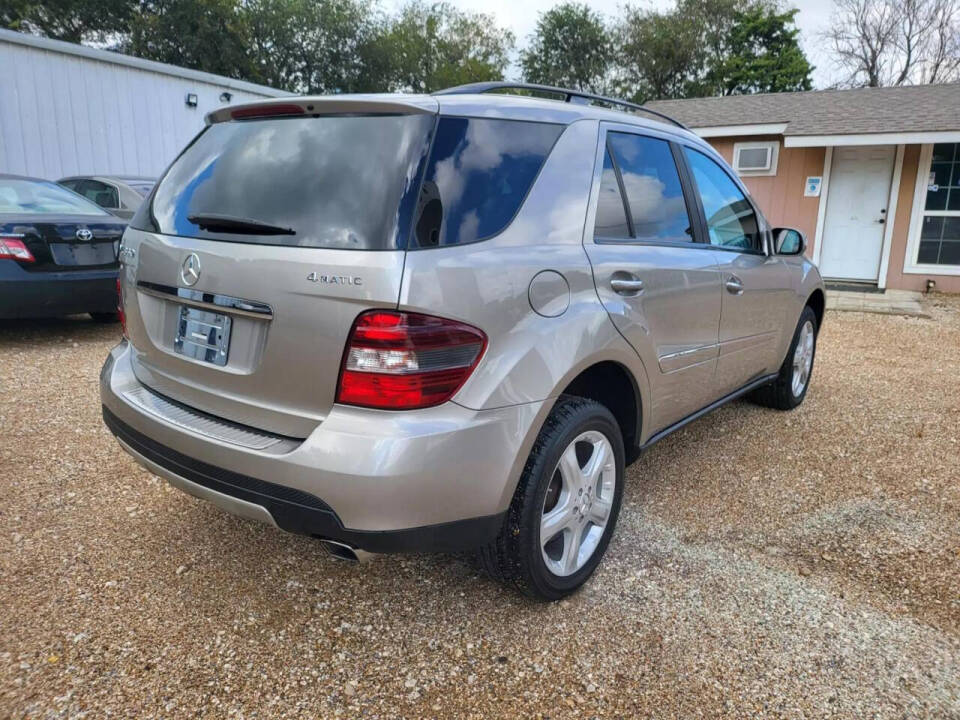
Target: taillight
401 361
120 313
13 249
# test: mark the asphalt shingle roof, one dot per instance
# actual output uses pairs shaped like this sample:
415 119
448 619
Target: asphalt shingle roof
917 108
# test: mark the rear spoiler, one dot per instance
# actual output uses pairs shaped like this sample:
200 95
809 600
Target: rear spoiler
327 105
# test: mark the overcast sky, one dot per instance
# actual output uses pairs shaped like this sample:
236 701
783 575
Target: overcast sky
521 17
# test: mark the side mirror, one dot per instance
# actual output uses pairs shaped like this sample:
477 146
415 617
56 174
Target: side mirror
788 241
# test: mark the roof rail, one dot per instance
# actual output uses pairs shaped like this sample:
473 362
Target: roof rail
571 96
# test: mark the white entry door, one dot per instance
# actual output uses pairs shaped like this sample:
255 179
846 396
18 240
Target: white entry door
858 192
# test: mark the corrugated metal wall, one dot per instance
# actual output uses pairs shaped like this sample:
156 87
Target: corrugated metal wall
62 114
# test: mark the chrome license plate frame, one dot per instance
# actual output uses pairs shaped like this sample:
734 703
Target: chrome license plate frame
203 335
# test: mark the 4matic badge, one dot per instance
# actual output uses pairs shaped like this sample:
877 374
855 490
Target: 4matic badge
335 279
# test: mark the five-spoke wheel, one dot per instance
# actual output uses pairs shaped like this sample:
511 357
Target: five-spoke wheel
803 359
577 504
566 504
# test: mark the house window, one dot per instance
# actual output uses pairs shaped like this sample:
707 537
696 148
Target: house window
756 158
940 224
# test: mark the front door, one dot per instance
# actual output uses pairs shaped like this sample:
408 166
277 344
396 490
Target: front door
755 284
856 212
660 285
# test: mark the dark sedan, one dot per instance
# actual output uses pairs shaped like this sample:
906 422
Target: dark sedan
58 252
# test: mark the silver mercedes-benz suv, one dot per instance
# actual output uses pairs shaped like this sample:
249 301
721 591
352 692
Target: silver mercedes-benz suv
446 322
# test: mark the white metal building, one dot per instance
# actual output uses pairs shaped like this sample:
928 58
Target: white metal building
68 109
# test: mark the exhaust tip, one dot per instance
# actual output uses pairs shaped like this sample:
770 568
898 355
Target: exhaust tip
342 551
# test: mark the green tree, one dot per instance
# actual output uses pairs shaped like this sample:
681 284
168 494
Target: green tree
710 47
311 46
70 20
762 55
656 54
208 35
431 46
569 48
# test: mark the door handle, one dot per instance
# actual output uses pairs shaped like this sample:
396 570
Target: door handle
735 285
626 284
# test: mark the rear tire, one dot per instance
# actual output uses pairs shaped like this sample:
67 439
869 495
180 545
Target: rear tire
571 488
793 379
105 317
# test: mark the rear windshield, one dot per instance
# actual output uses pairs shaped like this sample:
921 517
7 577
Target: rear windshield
39 197
334 181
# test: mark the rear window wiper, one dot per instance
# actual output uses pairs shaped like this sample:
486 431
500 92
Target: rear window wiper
240 225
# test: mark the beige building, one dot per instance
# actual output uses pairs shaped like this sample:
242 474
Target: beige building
871 176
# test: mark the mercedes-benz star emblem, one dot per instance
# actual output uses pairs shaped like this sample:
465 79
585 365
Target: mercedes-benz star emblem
190 270
84 234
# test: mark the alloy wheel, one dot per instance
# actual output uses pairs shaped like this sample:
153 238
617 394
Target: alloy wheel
578 503
803 359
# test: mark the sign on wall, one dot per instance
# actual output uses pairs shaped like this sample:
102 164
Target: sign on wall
812 187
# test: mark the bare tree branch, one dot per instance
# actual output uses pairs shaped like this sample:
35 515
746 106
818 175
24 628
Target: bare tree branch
896 42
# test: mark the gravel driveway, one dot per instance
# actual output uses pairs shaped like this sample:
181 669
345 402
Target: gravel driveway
766 564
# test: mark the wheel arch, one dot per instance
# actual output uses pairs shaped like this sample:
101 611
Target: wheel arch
817 302
617 354
614 386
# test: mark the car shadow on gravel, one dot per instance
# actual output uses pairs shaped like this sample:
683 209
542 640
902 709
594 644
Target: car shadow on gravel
75 328
238 556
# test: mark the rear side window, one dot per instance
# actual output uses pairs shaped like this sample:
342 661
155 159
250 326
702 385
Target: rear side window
652 185
332 181
478 175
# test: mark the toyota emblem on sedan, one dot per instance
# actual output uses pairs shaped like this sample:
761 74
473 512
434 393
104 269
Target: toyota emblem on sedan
190 270
84 234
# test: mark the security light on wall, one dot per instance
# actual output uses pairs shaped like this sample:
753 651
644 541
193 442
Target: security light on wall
191 100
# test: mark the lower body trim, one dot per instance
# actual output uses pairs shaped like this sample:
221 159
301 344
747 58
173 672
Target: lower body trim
291 509
750 386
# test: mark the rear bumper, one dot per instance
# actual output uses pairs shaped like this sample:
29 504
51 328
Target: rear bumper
49 294
439 479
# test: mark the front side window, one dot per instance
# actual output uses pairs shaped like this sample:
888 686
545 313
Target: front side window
652 186
478 175
731 220
39 197
940 225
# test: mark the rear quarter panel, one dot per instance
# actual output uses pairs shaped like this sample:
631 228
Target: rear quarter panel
529 357
487 284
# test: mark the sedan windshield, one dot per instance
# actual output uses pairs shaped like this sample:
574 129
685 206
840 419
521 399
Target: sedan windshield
39 197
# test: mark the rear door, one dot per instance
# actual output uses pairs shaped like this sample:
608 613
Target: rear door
260 246
660 285
756 285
